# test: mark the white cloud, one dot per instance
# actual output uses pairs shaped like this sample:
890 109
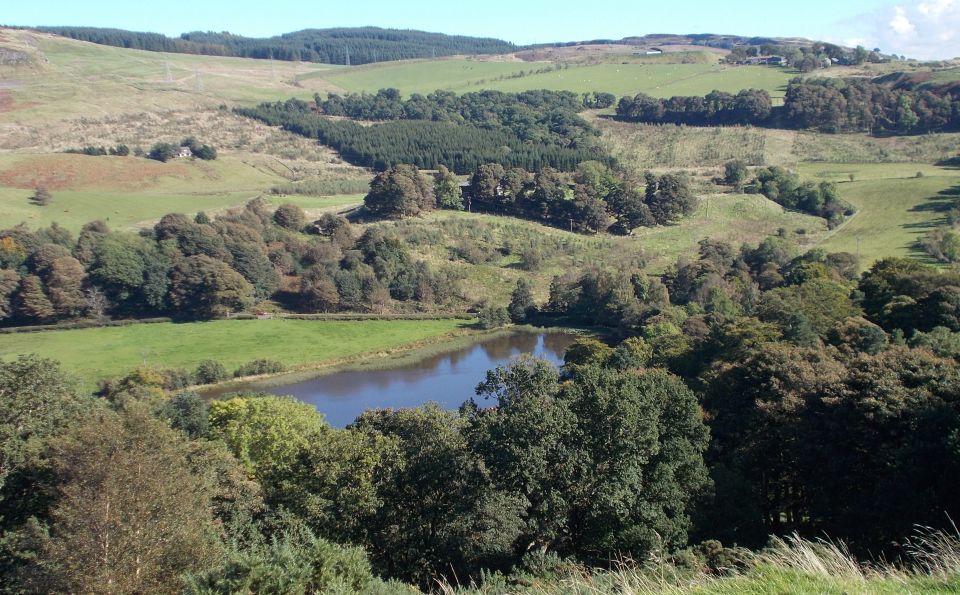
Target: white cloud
900 24
935 9
925 30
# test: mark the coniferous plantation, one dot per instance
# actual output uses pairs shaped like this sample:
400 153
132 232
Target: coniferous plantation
358 45
743 399
532 129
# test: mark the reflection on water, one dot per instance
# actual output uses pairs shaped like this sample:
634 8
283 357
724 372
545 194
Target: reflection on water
447 378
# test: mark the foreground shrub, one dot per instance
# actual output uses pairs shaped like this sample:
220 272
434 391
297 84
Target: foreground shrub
493 317
177 378
258 367
296 561
210 371
188 413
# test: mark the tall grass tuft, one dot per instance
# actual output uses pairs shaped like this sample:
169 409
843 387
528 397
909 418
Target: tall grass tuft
936 553
790 564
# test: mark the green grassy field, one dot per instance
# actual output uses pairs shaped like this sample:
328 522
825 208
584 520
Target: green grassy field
895 208
120 210
99 353
660 80
314 204
424 76
110 174
734 218
125 210
128 191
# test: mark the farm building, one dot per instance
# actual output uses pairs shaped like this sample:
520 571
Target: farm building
185 152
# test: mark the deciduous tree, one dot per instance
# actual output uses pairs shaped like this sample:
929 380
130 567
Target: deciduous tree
131 516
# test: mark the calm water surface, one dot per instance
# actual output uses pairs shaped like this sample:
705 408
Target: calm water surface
448 379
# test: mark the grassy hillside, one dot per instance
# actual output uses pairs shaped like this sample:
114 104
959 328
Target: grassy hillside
296 343
73 78
124 98
68 78
734 218
70 94
667 146
127 191
424 76
895 207
440 237
660 80
124 210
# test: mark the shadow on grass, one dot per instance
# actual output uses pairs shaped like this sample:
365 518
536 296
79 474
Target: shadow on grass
918 253
515 266
944 201
951 163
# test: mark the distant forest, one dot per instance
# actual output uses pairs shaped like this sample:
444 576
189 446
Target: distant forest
348 45
825 104
532 130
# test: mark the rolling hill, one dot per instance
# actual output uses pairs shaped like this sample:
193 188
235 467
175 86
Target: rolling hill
342 45
60 93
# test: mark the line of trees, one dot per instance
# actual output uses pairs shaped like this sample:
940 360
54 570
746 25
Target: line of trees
120 150
356 45
827 105
204 268
427 143
136 40
749 106
591 199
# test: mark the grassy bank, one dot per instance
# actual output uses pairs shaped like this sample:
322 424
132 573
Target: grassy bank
397 358
99 353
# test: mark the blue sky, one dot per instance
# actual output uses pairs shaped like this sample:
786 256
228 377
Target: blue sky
917 28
